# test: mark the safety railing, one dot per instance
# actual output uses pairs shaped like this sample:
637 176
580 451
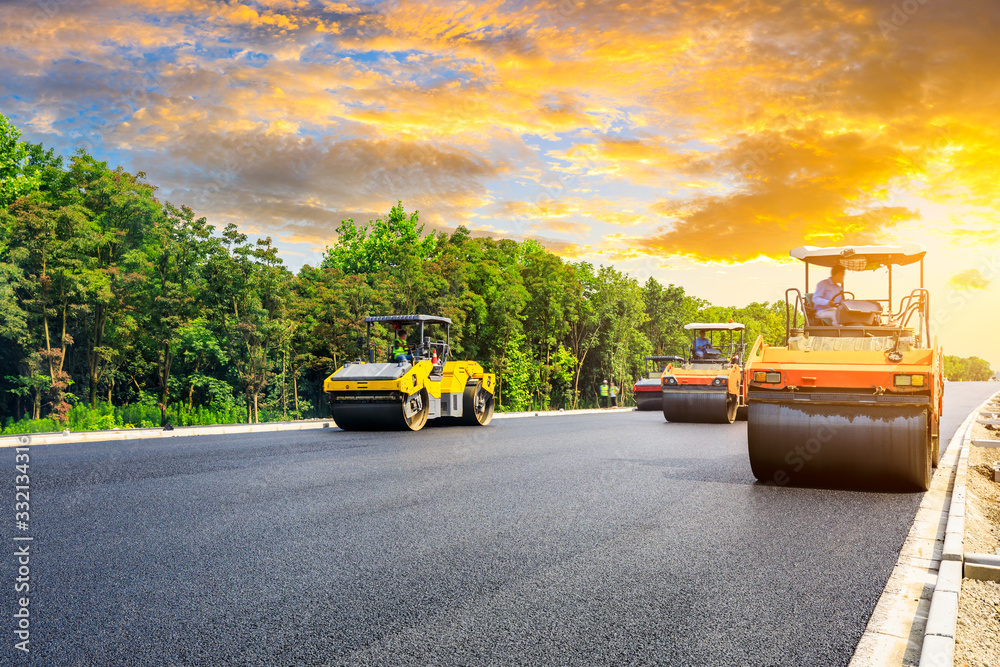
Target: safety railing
792 311
917 303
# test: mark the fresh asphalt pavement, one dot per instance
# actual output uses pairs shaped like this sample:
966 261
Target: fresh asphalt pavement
574 540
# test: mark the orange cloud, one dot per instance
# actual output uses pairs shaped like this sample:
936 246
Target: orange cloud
723 130
802 185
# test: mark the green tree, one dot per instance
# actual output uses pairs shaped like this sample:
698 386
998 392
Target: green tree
520 375
121 209
587 325
496 297
15 179
388 242
621 302
200 350
967 369
45 237
669 309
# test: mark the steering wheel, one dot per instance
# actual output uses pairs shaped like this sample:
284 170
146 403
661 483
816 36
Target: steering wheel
843 297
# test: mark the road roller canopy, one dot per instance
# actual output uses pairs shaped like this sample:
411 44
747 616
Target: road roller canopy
408 319
425 346
723 349
871 315
861 257
718 326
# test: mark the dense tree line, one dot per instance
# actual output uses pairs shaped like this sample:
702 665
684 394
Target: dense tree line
967 369
110 298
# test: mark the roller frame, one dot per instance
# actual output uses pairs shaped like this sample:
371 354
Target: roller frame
470 416
700 406
840 440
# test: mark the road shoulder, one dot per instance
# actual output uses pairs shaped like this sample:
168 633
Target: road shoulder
895 634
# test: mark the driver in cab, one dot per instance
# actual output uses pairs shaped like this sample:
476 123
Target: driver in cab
702 345
829 295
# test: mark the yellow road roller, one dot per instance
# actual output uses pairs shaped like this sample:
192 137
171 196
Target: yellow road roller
708 387
854 397
409 383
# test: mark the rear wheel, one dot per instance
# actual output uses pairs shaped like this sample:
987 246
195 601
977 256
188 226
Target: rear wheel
477 405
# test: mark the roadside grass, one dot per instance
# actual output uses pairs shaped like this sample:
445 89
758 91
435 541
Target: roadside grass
106 417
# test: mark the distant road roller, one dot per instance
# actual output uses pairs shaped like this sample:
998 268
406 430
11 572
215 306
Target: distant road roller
854 398
708 387
647 391
382 394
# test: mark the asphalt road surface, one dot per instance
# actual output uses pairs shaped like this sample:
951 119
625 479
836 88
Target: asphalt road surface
601 539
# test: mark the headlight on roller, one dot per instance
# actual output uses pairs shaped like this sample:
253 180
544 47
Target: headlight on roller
909 380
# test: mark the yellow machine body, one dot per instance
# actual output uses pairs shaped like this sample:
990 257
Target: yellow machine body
453 380
405 394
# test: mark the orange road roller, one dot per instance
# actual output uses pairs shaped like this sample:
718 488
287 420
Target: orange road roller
708 387
854 397
412 383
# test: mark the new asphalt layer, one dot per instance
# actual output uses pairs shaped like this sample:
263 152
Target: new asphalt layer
583 539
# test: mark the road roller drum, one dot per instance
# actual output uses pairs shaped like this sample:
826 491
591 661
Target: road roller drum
704 407
862 445
389 414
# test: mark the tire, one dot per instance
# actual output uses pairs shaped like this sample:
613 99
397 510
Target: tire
477 405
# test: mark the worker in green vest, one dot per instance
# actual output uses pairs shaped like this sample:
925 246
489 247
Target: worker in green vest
400 349
604 394
614 395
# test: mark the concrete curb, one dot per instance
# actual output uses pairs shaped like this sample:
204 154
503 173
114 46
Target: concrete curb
561 413
897 630
228 429
146 433
982 567
942 620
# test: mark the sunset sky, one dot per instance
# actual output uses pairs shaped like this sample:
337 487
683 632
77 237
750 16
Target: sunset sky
696 142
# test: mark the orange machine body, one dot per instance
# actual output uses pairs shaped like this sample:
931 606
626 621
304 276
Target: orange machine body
855 396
